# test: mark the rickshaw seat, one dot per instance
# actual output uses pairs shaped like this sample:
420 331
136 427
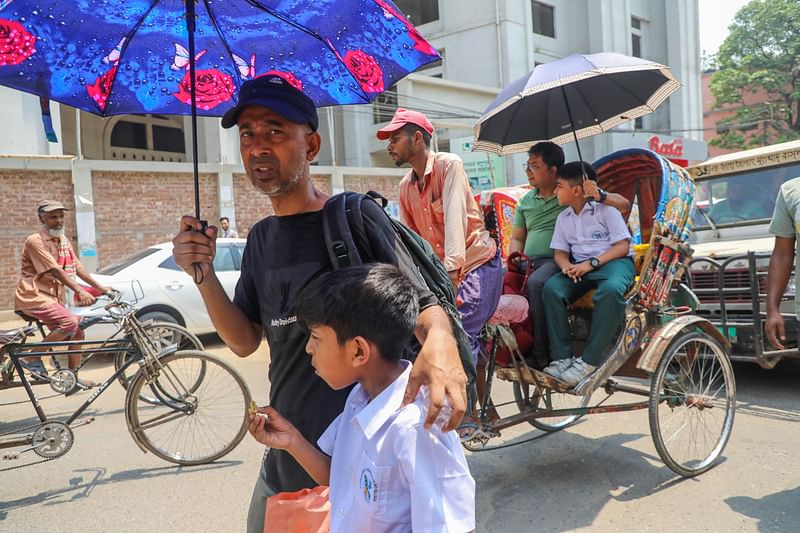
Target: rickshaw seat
584 302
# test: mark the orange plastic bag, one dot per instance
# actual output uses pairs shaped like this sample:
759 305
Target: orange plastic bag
304 511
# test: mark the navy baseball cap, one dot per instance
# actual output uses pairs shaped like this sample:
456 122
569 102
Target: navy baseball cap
275 93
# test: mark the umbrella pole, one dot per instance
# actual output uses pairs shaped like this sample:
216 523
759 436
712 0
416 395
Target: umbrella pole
572 126
190 27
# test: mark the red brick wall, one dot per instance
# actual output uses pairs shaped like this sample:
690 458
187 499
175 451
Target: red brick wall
252 206
22 190
132 209
136 209
388 186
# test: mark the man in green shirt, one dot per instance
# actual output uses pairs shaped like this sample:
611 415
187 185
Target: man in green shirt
785 226
532 231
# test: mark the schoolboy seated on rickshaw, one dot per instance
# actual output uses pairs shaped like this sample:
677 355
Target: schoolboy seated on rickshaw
592 247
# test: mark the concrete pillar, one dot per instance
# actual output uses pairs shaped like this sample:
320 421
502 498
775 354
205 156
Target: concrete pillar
683 49
84 213
337 180
227 206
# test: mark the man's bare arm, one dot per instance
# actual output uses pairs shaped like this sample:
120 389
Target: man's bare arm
439 366
518 236
617 200
780 268
192 247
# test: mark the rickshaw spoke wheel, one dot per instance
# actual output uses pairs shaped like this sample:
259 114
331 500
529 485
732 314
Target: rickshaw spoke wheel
692 403
528 399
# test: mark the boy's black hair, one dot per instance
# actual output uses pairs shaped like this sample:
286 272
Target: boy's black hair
550 152
411 129
224 218
375 301
573 174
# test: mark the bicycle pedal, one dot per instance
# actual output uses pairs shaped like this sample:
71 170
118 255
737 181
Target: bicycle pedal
82 421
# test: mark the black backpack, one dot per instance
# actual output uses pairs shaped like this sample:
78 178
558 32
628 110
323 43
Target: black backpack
349 243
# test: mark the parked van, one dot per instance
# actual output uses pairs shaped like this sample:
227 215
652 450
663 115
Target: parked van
735 200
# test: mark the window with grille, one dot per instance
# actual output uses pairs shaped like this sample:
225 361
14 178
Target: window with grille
543 16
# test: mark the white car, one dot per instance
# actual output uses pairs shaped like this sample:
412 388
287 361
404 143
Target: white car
167 294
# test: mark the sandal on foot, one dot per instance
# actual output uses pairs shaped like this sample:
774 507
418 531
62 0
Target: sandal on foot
467 430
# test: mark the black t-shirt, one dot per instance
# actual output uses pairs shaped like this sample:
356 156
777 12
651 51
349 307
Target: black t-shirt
282 255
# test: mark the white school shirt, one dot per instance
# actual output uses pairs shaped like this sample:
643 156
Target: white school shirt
590 232
389 474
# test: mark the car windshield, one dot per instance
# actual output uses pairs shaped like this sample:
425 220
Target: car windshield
113 268
743 197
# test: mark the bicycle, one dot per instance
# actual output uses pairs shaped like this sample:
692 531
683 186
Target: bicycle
187 407
162 334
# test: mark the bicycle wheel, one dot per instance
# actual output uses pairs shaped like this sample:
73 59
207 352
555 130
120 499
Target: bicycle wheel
692 403
527 400
189 427
162 334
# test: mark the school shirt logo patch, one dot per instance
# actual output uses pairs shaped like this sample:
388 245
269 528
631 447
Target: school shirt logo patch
368 486
597 235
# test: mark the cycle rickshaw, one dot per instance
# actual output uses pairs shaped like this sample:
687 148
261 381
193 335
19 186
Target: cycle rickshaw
691 394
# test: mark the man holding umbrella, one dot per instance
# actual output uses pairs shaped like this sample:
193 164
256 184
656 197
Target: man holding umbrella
278 140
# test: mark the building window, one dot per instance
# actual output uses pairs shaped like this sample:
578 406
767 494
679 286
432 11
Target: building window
384 105
419 11
636 45
638 123
127 134
543 17
145 138
636 24
168 139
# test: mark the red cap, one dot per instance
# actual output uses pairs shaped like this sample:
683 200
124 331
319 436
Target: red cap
401 118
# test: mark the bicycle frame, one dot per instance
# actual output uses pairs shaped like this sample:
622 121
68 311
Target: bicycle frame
18 350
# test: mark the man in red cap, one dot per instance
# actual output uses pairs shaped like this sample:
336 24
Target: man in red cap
49 268
437 202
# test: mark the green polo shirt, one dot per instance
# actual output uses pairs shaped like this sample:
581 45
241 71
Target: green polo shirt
538 216
786 220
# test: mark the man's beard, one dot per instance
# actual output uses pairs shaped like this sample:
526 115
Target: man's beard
56 232
285 187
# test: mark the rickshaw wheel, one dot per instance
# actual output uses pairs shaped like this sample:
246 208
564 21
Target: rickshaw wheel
692 403
527 399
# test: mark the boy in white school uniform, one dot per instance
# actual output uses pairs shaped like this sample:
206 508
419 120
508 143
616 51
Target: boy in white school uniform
386 472
592 247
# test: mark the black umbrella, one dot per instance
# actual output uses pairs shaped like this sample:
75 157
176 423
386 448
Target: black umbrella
575 97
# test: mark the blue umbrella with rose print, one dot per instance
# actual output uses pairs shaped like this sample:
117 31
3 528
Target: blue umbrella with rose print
178 57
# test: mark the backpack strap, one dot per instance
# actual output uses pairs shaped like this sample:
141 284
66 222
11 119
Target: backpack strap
355 219
338 235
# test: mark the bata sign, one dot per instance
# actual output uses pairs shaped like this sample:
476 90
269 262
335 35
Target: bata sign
673 148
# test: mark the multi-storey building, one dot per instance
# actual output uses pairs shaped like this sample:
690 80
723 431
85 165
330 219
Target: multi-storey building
485 44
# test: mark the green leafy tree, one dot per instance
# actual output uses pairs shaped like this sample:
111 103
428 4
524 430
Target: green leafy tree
761 53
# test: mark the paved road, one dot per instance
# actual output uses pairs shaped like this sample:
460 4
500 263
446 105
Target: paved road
601 475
